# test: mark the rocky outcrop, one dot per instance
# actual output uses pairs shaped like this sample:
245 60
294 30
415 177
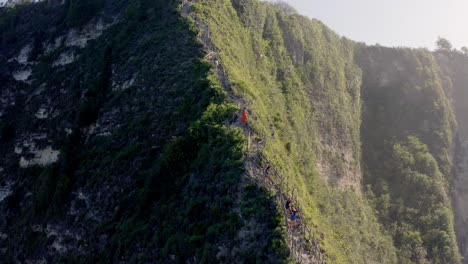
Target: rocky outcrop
12 3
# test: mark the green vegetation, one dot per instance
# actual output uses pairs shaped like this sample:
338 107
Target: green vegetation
421 224
166 181
444 45
149 170
302 88
455 66
81 11
302 85
407 136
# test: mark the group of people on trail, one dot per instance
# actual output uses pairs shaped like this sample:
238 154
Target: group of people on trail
292 220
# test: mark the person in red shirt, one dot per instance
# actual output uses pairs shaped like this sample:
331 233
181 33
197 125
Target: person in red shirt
244 116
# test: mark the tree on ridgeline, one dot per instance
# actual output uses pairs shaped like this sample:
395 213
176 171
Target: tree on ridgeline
464 50
444 45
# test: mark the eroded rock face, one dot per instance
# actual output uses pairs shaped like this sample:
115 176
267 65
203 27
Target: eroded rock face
42 157
42 113
5 190
80 38
11 3
345 174
22 75
23 56
31 154
64 59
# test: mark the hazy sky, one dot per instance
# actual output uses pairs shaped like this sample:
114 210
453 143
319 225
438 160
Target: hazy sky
412 23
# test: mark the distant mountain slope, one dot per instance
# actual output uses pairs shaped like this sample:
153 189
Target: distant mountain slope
407 130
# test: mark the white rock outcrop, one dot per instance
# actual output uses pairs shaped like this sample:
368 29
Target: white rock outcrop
41 113
23 56
22 76
64 59
80 38
32 155
5 191
41 157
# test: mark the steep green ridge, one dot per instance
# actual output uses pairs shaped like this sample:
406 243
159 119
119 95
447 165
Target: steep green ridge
302 89
298 75
148 172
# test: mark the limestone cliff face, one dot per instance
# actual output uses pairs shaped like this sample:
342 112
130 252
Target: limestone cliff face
12 3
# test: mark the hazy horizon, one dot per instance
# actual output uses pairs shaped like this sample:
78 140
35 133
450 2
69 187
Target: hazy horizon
416 23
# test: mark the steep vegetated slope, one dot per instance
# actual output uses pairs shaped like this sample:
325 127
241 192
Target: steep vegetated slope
300 77
303 92
113 141
454 65
118 142
407 137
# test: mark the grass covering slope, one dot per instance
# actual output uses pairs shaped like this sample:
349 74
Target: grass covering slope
302 89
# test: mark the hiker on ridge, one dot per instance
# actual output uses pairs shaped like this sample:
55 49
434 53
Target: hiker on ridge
244 116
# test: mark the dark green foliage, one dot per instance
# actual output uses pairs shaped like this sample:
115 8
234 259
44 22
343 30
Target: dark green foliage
443 45
189 195
27 23
88 112
403 96
81 11
43 21
7 132
56 182
418 205
454 66
163 183
96 93
258 208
